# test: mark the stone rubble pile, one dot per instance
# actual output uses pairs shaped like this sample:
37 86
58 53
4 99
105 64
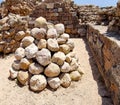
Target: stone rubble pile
12 29
46 57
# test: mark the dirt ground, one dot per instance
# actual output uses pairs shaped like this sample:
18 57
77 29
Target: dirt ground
89 91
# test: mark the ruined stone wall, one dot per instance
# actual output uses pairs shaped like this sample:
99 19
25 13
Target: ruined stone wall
88 13
12 29
58 12
106 50
114 25
106 15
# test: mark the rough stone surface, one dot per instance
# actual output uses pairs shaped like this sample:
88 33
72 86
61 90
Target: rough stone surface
65 67
43 57
38 33
65 48
26 41
20 53
52 45
38 83
60 28
54 83
31 51
23 77
42 44
41 22
52 33
59 58
75 76
35 68
65 80
24 64
52 70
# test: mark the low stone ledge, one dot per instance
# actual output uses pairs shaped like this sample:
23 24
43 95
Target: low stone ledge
106 50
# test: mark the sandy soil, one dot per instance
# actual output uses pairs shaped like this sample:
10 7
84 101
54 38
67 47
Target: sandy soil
89 91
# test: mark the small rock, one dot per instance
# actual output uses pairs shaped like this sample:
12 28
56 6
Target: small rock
38 33
16 65
26 41
23 77
43 57
42 44
24 64
52 33
13 73
71 44
54 83
61 41
69 56
41 22
59 58
19 53
65 67
60 28
65 80
52 45
75 76
65 36
20 35
52 70
65 48
38 83
31 51
73 65
35 68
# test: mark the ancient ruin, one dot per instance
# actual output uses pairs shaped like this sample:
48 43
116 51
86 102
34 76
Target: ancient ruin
38 33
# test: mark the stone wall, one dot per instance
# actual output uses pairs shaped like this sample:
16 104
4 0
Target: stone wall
12 29
58 12
88 13
106 15
106 50
114 25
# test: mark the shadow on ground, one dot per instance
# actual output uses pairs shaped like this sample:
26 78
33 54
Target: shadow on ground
102 90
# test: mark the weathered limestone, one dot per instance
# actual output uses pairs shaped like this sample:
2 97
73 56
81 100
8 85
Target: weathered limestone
38 83
20 53
35 69
23 77
42 59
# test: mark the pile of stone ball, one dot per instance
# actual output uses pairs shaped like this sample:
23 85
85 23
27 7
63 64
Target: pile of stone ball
46 57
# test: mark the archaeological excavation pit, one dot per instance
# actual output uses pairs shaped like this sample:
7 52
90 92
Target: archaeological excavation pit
56 52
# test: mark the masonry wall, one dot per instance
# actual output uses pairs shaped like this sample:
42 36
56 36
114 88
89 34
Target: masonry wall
56 12
106 51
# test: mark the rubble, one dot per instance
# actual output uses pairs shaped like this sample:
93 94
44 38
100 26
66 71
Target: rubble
41 60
